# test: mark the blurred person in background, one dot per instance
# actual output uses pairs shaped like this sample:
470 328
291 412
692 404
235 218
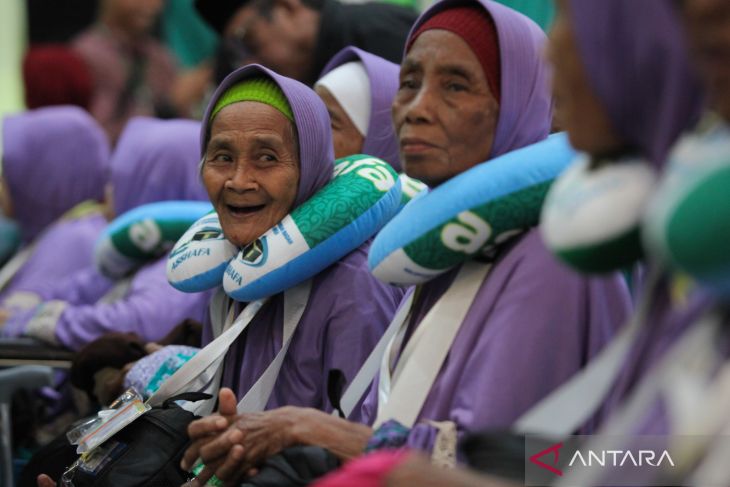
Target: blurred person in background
54 159
358 89
133 73
54 74
297 38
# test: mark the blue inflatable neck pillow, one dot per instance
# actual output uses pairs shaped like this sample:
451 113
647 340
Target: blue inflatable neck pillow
143 234
364 194
469 214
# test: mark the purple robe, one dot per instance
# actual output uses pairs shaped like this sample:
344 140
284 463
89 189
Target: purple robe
53 159
348 309
155 160
340 326
666 322
636 60
66 247
380 140
533 323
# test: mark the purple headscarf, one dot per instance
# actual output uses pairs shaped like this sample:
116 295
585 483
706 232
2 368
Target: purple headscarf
53 159
380 140
156 160
503 357
525 109
637 62
316 153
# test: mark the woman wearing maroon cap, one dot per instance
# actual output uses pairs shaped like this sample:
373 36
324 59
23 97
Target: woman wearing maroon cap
472 87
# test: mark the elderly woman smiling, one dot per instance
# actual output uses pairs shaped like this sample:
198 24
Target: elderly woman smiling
472 87
268 149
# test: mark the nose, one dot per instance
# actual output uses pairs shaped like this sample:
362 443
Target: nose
421 107
242 179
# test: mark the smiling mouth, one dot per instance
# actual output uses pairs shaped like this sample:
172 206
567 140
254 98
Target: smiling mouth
244 210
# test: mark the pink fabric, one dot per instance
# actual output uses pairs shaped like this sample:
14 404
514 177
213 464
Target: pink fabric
368 471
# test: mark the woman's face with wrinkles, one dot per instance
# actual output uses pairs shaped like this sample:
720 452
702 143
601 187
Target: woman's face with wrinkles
251 169
444 113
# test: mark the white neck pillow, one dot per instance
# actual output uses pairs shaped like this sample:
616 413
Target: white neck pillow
144 234
591 217
364 194
687 224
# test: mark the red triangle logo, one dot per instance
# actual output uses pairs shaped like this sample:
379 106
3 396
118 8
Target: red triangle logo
555 450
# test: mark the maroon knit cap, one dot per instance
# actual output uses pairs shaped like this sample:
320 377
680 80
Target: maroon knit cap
54 74
476 27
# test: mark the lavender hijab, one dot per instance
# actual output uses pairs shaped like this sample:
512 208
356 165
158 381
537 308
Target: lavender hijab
525 111
638 64
312 123
503 359
53 159
348 309
380 140
153 161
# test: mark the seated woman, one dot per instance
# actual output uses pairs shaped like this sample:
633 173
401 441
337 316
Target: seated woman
358 89
472 87
642 112
53 159
155 160
267 148
613 102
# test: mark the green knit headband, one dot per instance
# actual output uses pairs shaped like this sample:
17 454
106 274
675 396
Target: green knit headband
262 90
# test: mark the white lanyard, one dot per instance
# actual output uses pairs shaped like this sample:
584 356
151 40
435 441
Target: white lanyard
691 351
212 354
569 406
295 302
402 394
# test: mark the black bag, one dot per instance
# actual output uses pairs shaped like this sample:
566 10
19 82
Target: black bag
295 466
499 453
145 453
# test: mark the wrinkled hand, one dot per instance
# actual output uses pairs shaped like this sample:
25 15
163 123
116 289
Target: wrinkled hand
205 430
252 439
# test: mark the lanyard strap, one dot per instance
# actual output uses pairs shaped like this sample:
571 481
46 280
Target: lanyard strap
295 302
212 354
568 407
12 267
364 377
427 349
694 344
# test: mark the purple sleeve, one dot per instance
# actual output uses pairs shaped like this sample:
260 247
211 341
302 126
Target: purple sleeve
369 409
151 308
357 322
545 325
85 286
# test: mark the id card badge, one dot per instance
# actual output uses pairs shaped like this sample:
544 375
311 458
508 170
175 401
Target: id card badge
92 433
